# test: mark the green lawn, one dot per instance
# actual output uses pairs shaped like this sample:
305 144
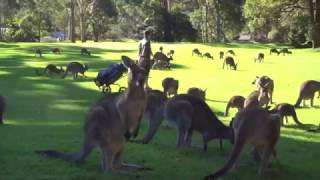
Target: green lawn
45 113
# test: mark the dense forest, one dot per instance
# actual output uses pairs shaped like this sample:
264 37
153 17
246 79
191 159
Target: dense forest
294 21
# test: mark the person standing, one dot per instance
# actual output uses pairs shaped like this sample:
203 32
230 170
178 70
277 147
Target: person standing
145 54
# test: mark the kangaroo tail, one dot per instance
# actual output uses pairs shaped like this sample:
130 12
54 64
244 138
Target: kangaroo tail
227 109
77 156
237 149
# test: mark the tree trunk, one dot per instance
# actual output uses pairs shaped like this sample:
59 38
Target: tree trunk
167 21
82 27
39 27
218 21
314 6
71 33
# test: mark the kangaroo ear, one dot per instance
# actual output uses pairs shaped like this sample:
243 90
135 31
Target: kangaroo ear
127 61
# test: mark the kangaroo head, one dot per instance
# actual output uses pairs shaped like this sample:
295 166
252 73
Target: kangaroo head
136 75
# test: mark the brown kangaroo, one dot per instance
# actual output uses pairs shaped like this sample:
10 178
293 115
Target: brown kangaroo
285 109
229 61
307 91
170 86
265 82
190 113
2 108
50 70
257 99
258 128
75 68
197 92
111 121
235 102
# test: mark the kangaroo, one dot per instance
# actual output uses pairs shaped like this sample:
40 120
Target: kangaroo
221 54
38 51
112 121
260 57
274 50
2 108
257 99
285 109
235 102
190 113
56 51
229 61
265 82
231 52
161 61
170 53
197 92
85 51
50 70
170 86
307 91
197 52
75 68
208 55
258 128
285 51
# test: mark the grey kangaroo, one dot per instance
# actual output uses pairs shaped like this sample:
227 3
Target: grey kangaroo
235 102
285 109
56 51
265 82
112 121
197 92
2 108
85 51
260 57
197 52
307 91
50 70
257 99
155 110
221 54
75 68
191 113
274 50
38 51
208 55
229 61
258 128
170 86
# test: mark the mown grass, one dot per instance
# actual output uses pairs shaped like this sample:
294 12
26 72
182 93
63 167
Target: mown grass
46 113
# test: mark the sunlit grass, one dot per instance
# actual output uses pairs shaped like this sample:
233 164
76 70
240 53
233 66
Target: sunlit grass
47 113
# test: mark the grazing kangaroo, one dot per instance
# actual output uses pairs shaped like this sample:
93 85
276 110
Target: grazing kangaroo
258 128
235 102
75 68
197 92
307 91
285 51
260 57
190 113
221 54
2 108
56 51
112 121
257 99
85 51
38 51
50 70
208 55
229 61
231 52
285 109
170 86
197 52
265 82
274 50
161 61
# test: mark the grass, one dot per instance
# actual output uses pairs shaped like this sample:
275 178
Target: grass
45 113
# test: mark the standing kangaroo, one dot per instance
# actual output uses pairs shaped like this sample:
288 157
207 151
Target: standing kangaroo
75 68
112 121
170 86
229 61
190 113
258 128
285 109
265 82
2 108
235 102
257 99
221 54
260 57
307 91
197 92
